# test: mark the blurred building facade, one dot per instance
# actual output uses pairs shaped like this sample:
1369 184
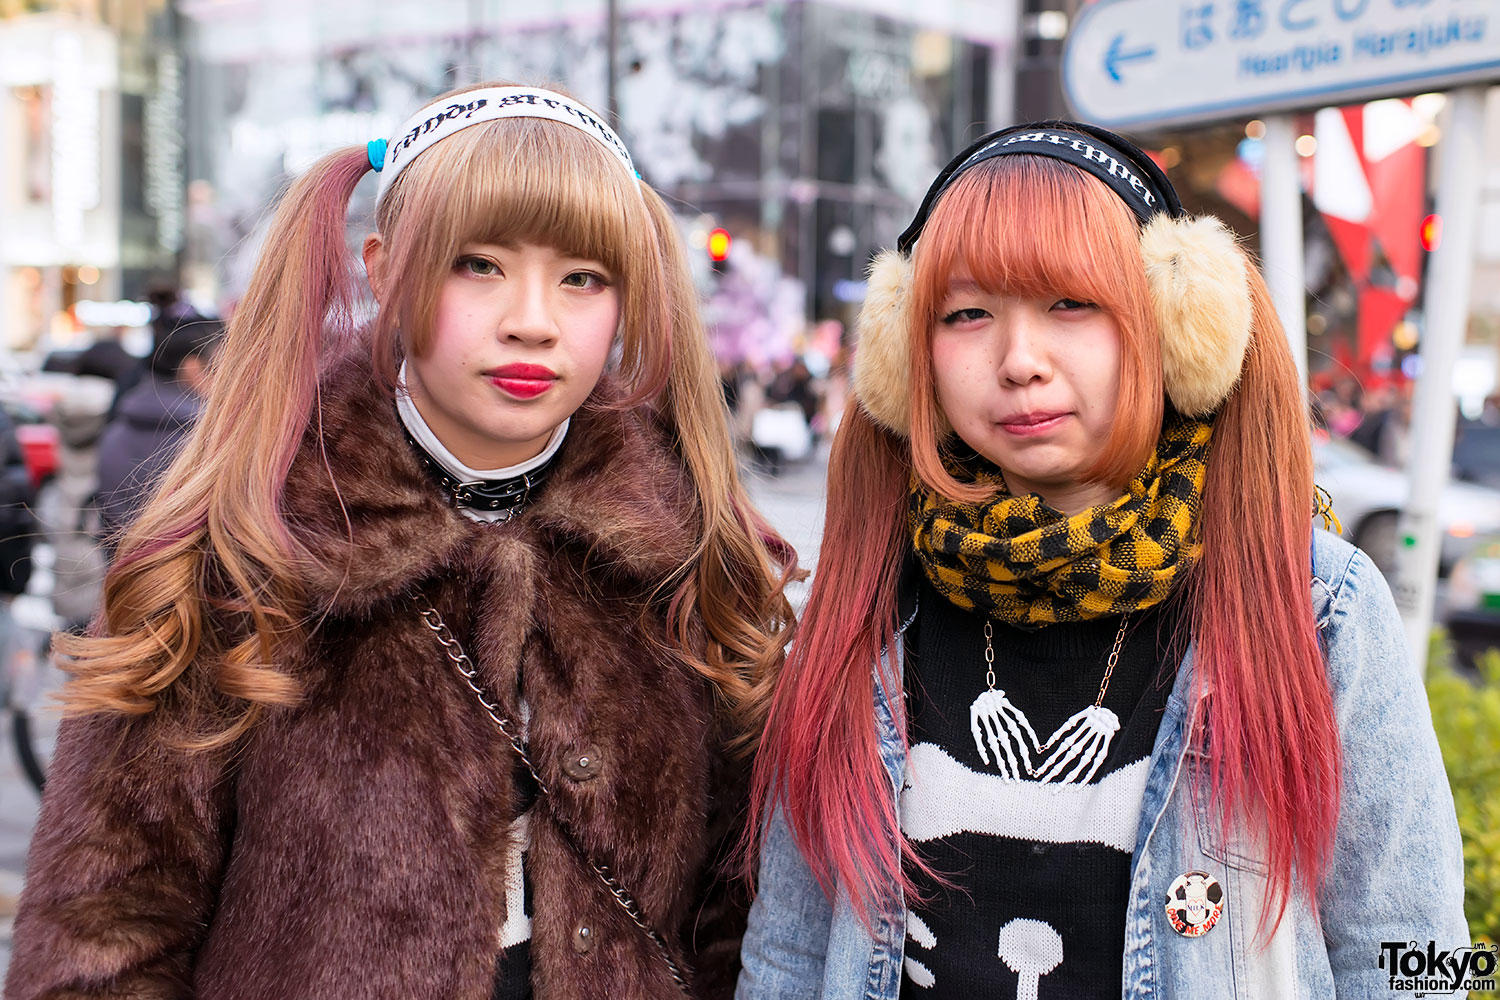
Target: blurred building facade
808 130
147 139
92 184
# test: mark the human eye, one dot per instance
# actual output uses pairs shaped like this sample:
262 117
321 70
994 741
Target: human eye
588 280
960 316
1071 305
479 267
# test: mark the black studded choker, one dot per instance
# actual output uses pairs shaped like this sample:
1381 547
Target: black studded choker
504 496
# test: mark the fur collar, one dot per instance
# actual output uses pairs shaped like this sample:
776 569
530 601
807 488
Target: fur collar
372 521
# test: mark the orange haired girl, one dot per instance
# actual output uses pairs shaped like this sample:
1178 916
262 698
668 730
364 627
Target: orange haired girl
1082 706
421 673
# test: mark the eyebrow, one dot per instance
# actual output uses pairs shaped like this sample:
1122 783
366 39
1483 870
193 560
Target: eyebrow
513 245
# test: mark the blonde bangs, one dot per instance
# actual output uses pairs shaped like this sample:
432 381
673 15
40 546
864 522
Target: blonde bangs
1031 226
524 180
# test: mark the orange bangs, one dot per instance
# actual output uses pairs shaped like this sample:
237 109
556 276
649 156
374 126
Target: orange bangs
1035 227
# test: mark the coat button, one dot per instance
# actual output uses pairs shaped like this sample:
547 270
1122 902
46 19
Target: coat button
583 765
583 939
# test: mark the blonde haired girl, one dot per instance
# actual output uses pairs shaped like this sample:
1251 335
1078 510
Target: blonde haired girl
420 674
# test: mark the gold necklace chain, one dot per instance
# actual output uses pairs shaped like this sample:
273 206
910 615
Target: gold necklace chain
1109 667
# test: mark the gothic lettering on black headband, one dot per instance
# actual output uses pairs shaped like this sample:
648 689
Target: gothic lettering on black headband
1113 159
1090 152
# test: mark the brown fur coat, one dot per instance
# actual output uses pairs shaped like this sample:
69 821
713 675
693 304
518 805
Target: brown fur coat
354 846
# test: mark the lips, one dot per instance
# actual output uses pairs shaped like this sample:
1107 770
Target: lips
1034 423
522 381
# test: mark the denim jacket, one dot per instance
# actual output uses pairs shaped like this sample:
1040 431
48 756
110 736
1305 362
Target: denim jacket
1396 873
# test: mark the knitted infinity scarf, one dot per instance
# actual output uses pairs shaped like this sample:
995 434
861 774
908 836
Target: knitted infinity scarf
1021 561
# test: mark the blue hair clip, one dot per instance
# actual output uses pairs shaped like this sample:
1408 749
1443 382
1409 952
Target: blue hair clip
375 150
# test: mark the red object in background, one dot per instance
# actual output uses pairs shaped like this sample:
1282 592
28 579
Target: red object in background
40 444
718 245
1380 309
1393 172
1432 232
1398 183
1238 185
1352 236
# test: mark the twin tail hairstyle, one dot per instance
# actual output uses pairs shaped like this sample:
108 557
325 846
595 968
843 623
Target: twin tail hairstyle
1198 332
207 589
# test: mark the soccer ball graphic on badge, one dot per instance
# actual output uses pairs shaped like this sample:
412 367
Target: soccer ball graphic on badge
1195 901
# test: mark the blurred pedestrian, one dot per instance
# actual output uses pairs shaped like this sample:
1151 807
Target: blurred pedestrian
18 533
1075 498
106 357
729 382
1343 406
794 384
150 423
18 524
423 672
69 502
1489 415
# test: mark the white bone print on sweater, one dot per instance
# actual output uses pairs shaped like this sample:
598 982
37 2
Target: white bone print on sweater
943 797
1083 741
1030 949
919 934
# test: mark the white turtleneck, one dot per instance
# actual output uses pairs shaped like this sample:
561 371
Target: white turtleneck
428 441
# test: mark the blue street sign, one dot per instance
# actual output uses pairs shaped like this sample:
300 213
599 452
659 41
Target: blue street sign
1168 62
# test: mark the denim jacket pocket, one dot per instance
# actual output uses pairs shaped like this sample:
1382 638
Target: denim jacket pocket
1235 848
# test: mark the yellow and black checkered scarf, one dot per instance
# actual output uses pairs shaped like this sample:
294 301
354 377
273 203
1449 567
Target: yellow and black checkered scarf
1023 562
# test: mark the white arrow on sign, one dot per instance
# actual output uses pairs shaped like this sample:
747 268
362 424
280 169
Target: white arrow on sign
1161 62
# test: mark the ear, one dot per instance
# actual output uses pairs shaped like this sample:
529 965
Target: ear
882 375
374 254
1200 293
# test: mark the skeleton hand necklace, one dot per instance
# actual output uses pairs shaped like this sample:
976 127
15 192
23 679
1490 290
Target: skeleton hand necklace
1076 750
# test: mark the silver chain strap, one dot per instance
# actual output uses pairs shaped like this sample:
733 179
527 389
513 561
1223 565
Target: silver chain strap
470 675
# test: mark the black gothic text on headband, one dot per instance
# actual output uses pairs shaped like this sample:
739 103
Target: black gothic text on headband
1115 160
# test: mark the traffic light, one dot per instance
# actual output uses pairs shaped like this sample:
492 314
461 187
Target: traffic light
1432 232
718 250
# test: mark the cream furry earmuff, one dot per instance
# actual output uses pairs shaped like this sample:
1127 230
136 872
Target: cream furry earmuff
1196 273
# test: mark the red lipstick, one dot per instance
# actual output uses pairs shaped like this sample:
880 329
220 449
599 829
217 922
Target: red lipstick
522 381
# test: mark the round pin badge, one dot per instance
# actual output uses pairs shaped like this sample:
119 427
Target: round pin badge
1195 902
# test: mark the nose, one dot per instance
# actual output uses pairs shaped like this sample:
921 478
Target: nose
527 316
1024 355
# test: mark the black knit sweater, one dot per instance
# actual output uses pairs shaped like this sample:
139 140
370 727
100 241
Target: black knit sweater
1038 871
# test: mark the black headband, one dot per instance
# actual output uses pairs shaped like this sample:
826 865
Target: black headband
1113 159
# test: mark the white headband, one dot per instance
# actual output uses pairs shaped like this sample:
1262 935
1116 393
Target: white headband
441 119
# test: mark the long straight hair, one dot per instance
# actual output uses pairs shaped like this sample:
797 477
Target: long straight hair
1034 226
207 589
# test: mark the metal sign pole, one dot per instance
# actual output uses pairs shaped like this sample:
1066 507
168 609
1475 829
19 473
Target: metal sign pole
1281 234
1449 275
